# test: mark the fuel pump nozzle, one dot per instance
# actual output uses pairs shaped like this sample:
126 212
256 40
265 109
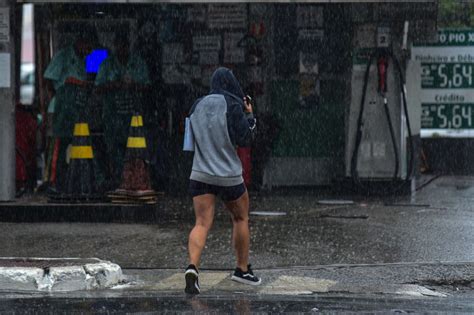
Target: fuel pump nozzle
382 65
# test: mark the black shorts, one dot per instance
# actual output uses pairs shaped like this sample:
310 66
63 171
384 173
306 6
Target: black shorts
227 193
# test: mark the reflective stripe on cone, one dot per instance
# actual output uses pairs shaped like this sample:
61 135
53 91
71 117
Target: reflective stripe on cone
136 142
82 152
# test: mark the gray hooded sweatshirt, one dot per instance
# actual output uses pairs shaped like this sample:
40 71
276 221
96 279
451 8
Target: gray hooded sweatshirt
219 124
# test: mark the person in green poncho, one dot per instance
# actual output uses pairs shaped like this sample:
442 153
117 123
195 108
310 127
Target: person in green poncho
65 76
122 79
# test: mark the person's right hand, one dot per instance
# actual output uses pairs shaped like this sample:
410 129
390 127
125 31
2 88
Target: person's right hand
247 106
75 81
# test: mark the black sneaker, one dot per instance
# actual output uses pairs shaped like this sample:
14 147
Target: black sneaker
246 277
192 282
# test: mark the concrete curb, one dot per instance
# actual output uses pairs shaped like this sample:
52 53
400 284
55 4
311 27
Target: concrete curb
64 274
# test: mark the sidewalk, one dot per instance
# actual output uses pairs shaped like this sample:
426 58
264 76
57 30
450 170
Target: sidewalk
440 280
383 288
405 279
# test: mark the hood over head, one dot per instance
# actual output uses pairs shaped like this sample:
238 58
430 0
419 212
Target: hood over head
223 80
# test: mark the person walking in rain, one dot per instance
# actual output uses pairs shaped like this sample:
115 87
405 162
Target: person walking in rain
65 76
121 78
219 122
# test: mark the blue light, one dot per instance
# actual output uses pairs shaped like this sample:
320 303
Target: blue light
94 59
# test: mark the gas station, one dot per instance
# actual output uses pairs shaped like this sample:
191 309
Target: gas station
360 180
325 118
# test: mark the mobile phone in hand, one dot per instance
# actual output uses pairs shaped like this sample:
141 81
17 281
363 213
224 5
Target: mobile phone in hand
248 99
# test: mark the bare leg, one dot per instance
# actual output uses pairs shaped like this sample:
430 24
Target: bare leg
204 210
239 210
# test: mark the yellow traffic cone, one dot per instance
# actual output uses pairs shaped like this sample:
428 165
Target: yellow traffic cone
136 183
80 183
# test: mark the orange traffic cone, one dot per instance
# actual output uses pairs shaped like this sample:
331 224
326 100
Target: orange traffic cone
80 179
136 183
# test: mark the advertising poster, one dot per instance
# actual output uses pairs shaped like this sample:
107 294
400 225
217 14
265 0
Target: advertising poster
309 16
206 42
227 16
4 25
309 63
197 14
208 57
233 53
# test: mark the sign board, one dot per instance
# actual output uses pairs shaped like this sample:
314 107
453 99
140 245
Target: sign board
233 53
203 42
4 25
197 14
440 81
311 35
227 16
309 63
209 57
309 16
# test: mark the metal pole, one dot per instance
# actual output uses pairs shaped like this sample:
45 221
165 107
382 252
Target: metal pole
7 100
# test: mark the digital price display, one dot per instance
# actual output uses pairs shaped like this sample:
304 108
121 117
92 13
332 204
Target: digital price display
447 116
447 75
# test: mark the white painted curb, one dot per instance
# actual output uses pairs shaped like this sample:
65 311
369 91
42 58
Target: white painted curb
97 275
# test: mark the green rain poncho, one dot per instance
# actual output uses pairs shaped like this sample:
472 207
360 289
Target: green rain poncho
66 63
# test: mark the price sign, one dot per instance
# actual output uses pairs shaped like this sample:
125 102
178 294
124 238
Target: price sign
446 75
447 116
440 82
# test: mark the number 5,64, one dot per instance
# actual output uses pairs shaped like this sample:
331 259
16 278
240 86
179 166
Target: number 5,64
459 114
455 75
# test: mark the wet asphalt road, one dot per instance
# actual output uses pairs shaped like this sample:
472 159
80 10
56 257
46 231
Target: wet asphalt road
435 225
238 305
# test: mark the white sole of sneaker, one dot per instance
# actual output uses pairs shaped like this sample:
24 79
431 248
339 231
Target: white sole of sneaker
192 286
191 271
240 280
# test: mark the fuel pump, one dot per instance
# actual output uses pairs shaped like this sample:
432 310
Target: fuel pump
382 120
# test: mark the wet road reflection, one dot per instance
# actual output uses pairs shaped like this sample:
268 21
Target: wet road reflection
235 305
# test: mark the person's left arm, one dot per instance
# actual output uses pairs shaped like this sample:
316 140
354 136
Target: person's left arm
242 124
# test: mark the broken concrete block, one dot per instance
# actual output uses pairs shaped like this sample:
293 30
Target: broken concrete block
70 278
20 278
57 274
105 273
